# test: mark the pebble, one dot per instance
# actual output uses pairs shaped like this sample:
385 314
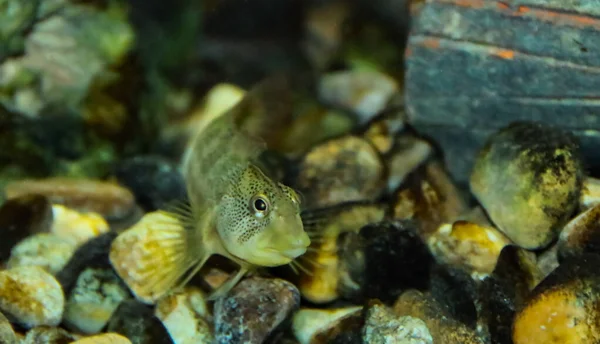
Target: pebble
253 309
430 197
528 177
505 291
468 245
363 92
77 227
21 217
340 170
454 290
382 326
7 334
311 326
92 254
407 154
181 313
442 327
48 335
581 234
379 247
109 200
104 338
93 300
385 133
154 180
590 193
137 322
46 250
31 297
563 308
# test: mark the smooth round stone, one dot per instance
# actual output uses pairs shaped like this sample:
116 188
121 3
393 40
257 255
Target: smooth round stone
528 177
30 296
45 250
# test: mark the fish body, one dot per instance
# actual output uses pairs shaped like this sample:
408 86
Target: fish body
235 210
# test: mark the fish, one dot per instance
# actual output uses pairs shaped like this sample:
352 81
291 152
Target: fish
235 210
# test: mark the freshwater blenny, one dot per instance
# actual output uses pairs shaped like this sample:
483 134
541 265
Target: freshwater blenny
235 210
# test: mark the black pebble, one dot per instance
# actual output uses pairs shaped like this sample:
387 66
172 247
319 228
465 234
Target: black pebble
154 180
456 291
92 254
395 259
21 217
503 292
137 322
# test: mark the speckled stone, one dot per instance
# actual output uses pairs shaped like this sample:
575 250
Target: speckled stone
253 309
442 326
45 250
97 294
31 297
564 307
382 326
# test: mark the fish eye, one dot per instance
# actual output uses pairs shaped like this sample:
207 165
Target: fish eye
259 204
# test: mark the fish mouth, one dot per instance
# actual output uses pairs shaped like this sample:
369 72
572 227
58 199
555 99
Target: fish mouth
291 253
294 252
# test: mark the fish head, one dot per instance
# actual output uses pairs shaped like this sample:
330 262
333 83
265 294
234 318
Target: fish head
259 221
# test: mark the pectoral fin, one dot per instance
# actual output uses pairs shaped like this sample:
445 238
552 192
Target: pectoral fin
155 254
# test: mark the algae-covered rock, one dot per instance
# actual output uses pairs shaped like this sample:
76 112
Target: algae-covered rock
528 178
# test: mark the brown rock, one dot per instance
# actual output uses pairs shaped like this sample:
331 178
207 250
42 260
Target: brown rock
581 234
341 170
21 217
108 199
